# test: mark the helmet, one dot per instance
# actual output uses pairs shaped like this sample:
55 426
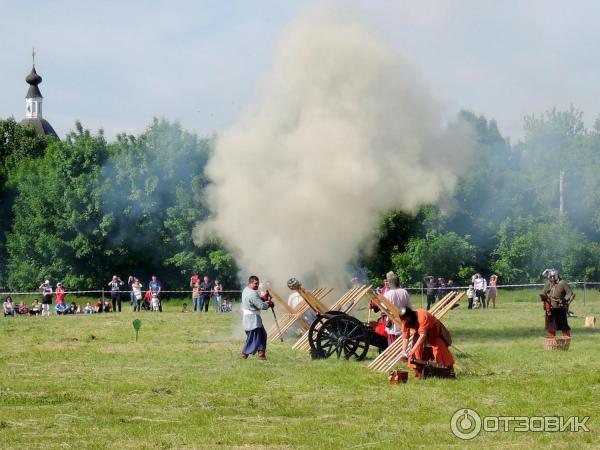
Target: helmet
552 274
292 282
407 313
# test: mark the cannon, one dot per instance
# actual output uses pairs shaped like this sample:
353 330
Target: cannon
334 332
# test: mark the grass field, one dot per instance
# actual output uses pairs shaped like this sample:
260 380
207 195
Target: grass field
83 382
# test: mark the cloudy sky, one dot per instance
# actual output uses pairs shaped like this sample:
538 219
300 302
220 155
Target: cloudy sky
115 65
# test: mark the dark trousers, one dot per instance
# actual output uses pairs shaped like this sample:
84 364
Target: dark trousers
470 303
430 300
204 301
115 298
481 297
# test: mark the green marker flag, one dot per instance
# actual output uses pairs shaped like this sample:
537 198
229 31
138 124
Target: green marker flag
137 324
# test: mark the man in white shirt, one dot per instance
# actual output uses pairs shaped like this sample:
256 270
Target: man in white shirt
400 298
480 286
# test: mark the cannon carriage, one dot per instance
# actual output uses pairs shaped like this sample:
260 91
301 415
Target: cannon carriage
334 332
337 333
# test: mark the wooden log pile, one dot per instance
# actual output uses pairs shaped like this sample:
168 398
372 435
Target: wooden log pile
346 303
293 316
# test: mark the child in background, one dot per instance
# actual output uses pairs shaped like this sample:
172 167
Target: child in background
154 302
89 309
36 308
185 309
471 295
22 309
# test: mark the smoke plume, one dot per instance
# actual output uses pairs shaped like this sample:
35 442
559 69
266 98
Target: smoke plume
344 128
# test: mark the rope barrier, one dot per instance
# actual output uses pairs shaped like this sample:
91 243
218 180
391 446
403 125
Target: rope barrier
106 292
238 291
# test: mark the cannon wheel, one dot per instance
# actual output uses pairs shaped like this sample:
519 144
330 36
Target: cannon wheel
343 335
315 327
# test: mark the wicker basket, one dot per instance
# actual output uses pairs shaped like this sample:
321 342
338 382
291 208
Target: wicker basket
556 342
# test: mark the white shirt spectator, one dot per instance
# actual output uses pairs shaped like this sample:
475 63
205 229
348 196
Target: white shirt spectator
401 299
480 284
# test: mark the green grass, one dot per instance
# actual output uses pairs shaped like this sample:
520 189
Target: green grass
82 382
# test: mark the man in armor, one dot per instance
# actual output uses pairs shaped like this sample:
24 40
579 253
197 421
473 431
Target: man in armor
556 295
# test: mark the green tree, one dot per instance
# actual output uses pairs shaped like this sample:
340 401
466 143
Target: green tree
153 197
529 245
17 144
55 232
441 254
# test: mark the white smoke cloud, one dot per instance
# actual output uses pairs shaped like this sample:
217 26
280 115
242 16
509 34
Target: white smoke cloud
345 128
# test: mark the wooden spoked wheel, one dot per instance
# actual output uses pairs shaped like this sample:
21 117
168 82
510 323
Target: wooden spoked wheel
342 335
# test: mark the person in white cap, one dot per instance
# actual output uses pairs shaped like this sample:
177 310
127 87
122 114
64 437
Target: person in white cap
46 288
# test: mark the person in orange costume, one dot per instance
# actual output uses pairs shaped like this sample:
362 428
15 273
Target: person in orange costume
427 329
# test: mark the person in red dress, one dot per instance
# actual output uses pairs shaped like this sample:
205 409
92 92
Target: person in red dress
427 330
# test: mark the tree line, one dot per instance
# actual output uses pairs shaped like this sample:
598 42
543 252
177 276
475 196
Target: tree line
80 209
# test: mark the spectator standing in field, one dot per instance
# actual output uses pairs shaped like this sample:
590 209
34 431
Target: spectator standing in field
450 286
9 307
431 290
115 292
36 308
60 293
493 292
256 335
206 289
470 296
196 297
218 293
136 288
155 287
46 297
398 297
130 280
480 286
441 290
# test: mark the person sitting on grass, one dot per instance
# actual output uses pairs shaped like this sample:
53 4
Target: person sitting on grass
36 308
61 308
102 306
9 307
22 309
185 309
73 309
89 309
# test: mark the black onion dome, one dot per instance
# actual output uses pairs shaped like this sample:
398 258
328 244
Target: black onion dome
33 78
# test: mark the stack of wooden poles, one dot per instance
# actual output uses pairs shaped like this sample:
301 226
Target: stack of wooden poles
293 316
392 355
346 303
